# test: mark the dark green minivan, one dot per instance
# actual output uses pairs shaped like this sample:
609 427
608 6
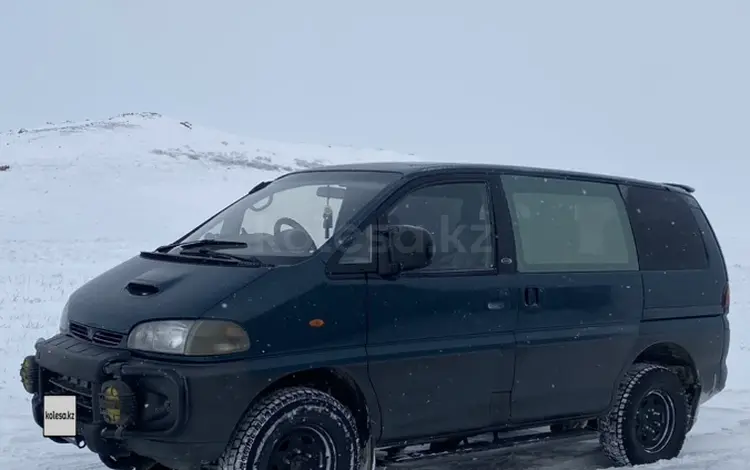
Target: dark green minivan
334 316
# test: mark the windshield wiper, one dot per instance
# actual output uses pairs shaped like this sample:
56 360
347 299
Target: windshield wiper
216 244
206 248
209 253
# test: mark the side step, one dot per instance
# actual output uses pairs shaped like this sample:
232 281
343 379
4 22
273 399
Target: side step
472 446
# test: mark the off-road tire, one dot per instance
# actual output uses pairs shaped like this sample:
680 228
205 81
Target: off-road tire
286 409
617 429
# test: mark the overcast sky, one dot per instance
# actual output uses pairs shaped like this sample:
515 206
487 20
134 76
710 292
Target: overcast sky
517 81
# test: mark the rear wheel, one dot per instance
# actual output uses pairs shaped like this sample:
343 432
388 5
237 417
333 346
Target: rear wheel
295 429
648 421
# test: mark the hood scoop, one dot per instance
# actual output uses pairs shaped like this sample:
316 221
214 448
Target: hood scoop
140 289
152 282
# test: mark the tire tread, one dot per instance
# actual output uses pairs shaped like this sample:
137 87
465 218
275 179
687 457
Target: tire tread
259 415
611 427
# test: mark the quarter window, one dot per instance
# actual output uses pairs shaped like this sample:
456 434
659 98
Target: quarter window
567 225
360 251
666 232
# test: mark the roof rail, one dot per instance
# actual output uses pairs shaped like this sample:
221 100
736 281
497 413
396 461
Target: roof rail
684 187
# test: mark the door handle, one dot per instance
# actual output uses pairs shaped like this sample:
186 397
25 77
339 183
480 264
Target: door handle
531 296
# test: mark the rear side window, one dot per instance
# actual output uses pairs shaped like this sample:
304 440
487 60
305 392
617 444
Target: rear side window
666 233
563 225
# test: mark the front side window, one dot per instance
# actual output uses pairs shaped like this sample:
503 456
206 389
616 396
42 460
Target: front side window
567 225
294 215
456 215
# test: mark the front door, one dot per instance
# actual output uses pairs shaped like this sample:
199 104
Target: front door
580 295
440 340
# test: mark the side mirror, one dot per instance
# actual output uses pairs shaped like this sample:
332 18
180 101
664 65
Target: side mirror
409 248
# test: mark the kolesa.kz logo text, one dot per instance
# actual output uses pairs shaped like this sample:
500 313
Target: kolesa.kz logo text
58 415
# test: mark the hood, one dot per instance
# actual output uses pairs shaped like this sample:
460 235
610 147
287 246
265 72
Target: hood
143 289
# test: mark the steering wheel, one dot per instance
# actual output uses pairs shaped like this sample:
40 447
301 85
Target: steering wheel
296 228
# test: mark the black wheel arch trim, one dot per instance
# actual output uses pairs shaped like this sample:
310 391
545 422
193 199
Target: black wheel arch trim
639 350
357 380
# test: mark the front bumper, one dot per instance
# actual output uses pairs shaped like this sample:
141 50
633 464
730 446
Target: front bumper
185 412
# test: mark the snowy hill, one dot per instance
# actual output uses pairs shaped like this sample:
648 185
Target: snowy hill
172 173
77 198
146 134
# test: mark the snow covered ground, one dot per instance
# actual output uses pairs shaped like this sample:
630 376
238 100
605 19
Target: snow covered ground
80 197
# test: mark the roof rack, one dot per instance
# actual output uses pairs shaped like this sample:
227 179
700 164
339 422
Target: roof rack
684 187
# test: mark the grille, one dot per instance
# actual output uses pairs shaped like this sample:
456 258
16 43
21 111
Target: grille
58 384
96 336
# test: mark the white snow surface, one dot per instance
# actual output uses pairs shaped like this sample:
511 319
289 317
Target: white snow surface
79 198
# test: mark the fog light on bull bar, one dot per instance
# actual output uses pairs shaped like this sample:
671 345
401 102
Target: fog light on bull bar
117 403
30 374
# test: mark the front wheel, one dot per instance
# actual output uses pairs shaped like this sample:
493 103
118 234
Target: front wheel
295 428
648 420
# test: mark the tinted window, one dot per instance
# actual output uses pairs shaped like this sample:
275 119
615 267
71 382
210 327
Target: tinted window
666 232
456 216
567 225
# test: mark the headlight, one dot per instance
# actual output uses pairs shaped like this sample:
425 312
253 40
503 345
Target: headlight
64 322
189 337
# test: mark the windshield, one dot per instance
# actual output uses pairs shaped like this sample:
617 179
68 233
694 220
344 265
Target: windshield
292 216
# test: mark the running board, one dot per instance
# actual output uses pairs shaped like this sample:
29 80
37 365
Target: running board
497 443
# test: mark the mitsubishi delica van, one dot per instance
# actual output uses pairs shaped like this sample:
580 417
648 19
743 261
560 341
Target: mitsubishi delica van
336 317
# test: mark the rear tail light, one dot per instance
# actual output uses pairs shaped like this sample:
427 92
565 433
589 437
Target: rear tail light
726 299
